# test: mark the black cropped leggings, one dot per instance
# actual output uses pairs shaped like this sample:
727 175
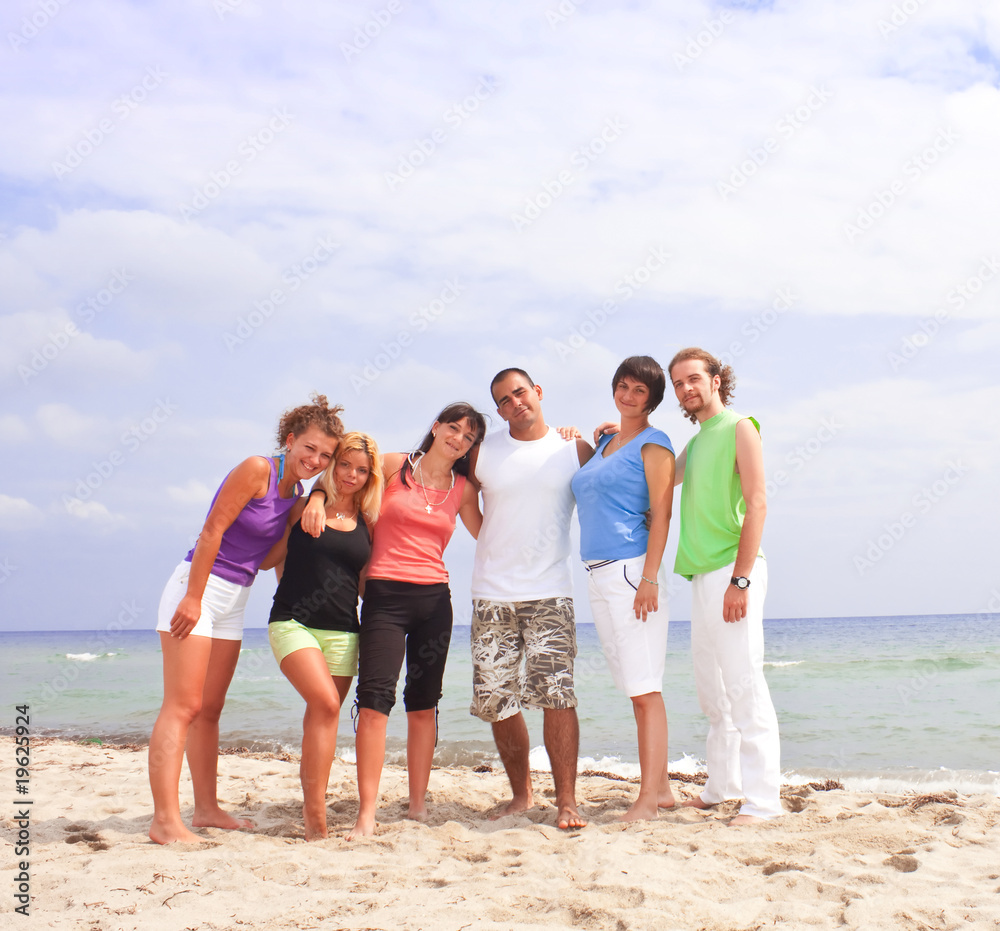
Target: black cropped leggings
403 619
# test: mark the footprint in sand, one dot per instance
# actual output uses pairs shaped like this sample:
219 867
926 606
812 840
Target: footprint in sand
82 836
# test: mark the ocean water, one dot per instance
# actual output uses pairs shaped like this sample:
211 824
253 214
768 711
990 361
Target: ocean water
879 703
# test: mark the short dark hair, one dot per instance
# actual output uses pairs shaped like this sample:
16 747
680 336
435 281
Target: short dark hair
503 373
647 370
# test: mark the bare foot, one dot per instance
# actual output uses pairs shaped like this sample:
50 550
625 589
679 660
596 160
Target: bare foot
745 819
515 806
417 814
217 818
666 800
569 818
696 802
640 811
315 827
363 827
173 833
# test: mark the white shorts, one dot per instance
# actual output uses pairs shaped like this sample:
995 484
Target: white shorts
636 650
222 605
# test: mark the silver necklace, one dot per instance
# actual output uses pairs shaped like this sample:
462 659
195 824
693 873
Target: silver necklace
621 442
418 474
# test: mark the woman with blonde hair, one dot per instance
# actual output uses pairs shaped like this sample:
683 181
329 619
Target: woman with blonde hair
313 628
200 618
406 615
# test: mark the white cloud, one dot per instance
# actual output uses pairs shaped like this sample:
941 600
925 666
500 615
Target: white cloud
191 492
18 514
66 426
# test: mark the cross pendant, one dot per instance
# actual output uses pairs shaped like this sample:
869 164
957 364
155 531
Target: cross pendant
427 508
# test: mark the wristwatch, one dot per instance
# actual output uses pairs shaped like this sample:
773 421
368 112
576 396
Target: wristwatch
741 582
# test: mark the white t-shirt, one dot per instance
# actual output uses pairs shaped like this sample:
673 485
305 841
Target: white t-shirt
522 553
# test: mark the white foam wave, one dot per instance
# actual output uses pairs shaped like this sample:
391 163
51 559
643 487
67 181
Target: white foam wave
778 663
82 657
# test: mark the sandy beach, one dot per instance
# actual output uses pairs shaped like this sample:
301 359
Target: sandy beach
837 859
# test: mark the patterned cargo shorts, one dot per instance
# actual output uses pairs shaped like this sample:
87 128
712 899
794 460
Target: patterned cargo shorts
543 634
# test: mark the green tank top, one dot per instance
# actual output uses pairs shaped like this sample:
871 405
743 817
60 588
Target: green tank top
712 505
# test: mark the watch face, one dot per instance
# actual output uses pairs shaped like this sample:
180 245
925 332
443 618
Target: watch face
741 583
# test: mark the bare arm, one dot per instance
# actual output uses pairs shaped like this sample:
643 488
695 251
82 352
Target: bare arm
275 558
658 464
469 510
248 480
750 465
584 451
679 470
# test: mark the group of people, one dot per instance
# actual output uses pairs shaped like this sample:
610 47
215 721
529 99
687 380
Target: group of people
375 526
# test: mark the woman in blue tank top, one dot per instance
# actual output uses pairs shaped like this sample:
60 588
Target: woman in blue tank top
630 474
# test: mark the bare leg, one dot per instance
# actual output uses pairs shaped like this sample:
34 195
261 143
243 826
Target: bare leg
370 749
203 740
562 743
306 669
421 730
511 738
185 663
651 724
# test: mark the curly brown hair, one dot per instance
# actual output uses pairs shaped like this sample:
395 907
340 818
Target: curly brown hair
318 414
727 377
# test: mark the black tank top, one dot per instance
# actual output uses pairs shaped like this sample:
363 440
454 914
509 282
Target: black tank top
319 586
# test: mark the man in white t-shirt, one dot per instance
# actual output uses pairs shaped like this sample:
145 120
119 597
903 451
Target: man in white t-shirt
523 626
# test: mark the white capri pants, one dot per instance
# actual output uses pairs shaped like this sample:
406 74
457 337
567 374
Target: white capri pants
636 650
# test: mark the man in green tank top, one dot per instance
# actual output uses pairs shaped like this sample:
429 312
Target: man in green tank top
723 506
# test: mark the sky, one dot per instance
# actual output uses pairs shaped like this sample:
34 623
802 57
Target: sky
214 208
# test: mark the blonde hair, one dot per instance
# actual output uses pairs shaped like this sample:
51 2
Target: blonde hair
369 497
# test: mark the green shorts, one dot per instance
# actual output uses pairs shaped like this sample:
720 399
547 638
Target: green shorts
339 647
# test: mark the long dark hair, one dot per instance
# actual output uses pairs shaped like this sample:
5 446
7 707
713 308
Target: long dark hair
453 413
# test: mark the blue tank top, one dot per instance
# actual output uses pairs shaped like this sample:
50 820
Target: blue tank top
612 498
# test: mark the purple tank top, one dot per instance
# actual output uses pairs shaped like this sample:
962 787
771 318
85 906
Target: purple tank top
256 529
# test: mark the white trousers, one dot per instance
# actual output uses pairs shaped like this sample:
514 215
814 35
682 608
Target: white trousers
743 749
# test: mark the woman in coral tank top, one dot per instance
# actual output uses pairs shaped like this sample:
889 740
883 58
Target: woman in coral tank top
406 611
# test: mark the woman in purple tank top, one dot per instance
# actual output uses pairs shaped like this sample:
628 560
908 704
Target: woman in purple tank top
201 613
